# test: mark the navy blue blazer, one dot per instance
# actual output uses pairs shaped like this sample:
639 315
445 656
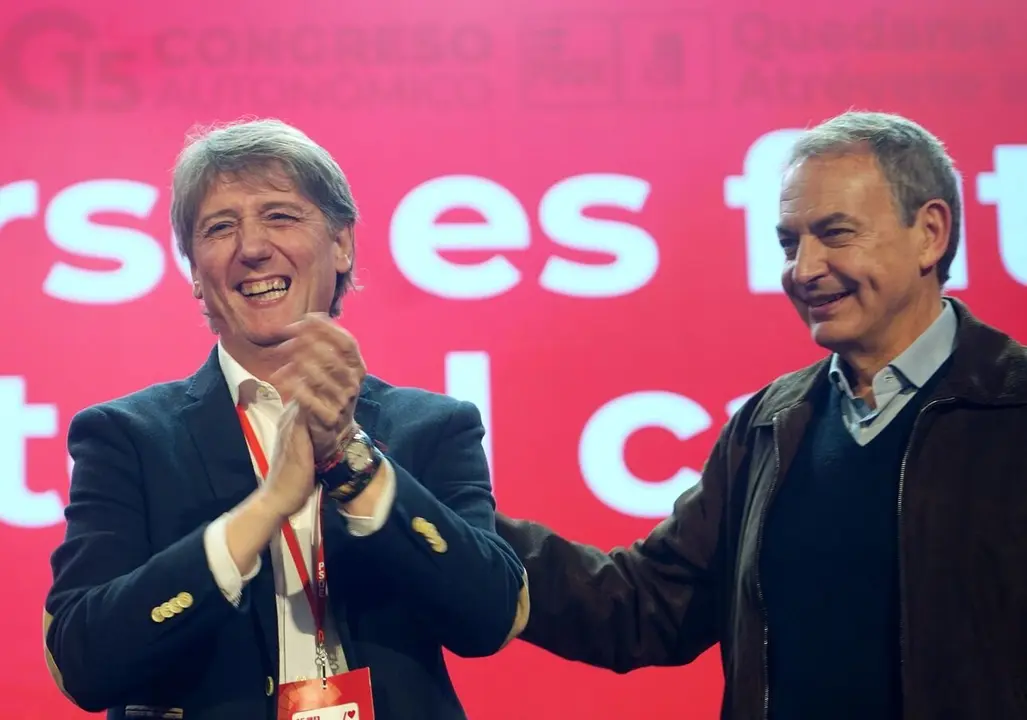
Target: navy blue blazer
153 469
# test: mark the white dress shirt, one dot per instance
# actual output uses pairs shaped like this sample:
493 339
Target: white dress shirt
296 642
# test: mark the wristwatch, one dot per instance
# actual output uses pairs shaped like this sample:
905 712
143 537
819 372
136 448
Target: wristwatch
350 470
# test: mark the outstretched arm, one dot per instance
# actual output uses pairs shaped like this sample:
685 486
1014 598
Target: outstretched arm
653 603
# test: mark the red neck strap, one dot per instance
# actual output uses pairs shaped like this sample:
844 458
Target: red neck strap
317 591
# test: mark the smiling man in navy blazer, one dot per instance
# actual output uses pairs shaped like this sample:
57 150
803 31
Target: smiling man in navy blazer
197 507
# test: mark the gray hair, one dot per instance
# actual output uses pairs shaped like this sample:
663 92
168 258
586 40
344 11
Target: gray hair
259 147
913 160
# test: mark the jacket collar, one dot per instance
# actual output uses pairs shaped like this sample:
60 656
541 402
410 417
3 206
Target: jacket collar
988 368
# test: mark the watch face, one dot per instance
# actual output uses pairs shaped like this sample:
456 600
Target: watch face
358 455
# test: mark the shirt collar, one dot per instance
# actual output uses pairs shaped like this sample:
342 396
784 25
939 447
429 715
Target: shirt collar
919 361
242 384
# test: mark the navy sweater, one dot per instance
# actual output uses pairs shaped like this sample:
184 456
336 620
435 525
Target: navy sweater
829 571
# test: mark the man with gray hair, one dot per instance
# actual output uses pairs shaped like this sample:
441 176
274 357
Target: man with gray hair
281 533
856 544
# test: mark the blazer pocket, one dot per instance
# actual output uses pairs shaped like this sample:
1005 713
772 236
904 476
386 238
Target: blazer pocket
152 713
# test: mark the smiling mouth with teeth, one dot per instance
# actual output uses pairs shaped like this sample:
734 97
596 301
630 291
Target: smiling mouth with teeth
270 289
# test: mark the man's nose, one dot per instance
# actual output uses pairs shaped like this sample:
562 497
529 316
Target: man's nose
810 260
254 241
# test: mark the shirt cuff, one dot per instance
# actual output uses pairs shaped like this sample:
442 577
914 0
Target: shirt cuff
361 526
222 567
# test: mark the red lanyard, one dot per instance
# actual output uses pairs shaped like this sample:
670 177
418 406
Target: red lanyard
316 594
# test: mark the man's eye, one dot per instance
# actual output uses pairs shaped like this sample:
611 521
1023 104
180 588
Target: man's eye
217 228
281 216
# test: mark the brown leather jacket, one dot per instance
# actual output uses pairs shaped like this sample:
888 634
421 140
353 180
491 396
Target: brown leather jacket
694 581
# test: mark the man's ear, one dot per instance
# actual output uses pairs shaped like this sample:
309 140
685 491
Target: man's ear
934 224
344 240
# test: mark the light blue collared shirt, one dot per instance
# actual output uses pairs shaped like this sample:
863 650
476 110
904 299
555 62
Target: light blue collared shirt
896 383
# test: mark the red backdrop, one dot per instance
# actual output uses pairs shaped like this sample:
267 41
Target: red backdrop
569 212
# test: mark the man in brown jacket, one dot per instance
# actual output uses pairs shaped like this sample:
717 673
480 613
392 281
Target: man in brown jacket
858 543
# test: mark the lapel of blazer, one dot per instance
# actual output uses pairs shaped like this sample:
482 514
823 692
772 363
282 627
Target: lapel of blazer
366 415
214 426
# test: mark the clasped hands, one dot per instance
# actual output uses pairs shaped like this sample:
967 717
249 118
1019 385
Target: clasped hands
320 383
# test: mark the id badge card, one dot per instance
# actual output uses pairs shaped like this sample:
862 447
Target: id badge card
346 696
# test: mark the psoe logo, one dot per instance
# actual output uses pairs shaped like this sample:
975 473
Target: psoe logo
56 60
